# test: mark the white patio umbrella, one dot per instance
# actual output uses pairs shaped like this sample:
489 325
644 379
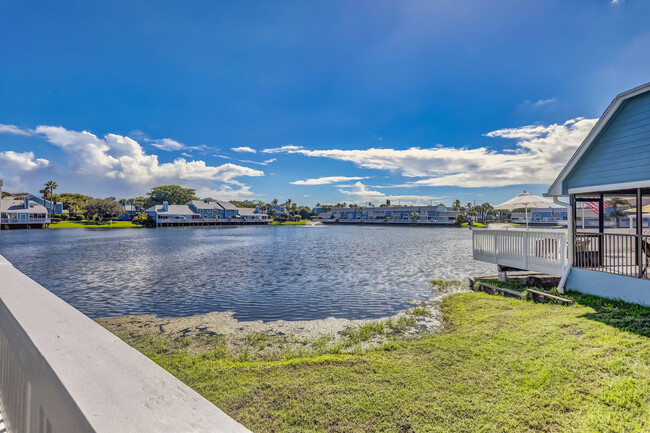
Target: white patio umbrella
525 200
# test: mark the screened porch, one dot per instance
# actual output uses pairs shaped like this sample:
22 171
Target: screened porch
606 234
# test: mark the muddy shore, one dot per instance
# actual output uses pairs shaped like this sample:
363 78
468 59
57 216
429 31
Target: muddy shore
423 316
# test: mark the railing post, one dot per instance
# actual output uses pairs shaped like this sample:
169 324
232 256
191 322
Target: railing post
473 247
639 231
496 249
524 238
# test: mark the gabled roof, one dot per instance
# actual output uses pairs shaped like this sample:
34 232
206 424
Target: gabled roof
227 205
200 204
11 204
248 211
556 187
172 209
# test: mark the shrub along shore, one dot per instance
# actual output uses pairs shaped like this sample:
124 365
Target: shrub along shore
497 364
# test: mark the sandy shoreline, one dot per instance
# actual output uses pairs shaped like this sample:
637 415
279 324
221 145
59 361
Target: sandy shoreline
223 324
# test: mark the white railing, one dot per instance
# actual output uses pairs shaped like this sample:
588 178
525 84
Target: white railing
23 221
61 372
532 250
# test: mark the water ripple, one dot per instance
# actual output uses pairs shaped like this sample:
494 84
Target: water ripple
267 273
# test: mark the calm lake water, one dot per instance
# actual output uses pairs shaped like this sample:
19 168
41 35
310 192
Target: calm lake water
268 273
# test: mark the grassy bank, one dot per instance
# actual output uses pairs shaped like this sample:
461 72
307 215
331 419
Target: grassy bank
94 224
289 223
501 365
480 225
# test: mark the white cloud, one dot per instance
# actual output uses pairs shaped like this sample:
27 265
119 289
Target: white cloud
362 194
542 102
326 180
167 144
540 152
91 160
265 162
12 129
243 149
21 161
171 145
615 2
120 157
226 192
285 149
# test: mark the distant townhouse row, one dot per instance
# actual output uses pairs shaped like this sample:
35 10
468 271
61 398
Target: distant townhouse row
392 214
543 215
585 217
205 212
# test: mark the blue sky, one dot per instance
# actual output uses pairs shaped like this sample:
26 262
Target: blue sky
326 101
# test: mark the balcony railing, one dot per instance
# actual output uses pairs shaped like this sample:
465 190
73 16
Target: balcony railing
61 372
613 253
533 250
25 221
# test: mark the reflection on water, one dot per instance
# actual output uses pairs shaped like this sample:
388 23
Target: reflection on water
268 273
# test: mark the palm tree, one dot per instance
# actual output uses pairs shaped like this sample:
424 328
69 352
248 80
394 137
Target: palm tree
51 185
45 193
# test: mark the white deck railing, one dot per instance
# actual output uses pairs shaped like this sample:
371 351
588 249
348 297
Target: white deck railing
61 372
533 250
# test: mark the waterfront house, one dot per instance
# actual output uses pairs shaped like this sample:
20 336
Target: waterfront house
229 210
606 189
166 214
204 212
23 212
58 207
208 209
608 173
248 214
396 214
542 215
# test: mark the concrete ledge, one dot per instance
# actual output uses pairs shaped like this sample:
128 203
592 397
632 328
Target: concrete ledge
112 386
611 286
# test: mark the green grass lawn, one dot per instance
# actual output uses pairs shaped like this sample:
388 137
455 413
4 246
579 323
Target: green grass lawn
94 224
501 365
289 223
481 225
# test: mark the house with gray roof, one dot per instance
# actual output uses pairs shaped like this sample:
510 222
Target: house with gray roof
173 214
251 214
23 212
396 215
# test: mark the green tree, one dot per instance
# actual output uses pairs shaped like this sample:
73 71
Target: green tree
304 212
241 204
51 186
139 203
461 219
172 194
73 202
103 209
457 206
45 194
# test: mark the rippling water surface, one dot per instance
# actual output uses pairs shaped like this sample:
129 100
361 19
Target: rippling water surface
268 273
